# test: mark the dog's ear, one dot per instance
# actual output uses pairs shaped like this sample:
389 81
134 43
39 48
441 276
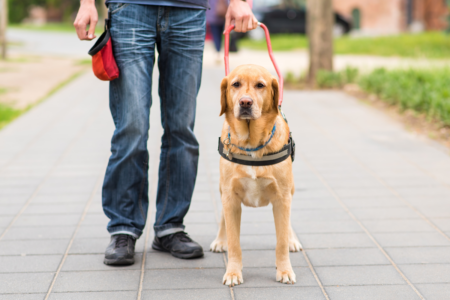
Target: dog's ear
223 95
275 93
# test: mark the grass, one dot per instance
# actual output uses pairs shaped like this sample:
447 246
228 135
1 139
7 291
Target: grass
423 91
428 44
7 114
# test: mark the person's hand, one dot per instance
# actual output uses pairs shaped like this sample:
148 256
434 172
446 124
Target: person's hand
87 15
240 13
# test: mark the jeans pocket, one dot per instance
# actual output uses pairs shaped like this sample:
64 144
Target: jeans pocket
116 7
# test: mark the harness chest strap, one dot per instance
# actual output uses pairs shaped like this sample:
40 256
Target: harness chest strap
267 160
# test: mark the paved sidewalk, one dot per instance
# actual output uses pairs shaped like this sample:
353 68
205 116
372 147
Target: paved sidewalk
371 208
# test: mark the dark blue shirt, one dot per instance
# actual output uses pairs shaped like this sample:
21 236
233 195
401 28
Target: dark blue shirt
196 4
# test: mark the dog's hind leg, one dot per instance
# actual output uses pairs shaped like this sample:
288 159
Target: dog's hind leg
232 213
281 214
220 243
294 243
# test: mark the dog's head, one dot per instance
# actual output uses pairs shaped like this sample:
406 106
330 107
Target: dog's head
248 92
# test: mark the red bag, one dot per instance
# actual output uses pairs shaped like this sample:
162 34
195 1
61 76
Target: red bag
103 62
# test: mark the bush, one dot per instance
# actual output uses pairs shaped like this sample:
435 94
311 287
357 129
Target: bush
424 91
329 80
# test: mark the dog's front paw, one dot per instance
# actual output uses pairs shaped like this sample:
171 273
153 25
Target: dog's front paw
294 245
233 278
286 276
218 246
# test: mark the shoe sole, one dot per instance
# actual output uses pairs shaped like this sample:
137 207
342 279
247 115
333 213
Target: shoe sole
194 254
119 262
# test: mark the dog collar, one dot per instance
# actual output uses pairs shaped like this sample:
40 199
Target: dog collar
267 160
249 149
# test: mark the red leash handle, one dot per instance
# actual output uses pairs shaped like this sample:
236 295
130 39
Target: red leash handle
269 48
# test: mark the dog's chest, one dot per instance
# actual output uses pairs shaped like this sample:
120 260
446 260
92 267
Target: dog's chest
255 189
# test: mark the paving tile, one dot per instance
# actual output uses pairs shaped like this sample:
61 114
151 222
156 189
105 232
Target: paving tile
23 296
5 220
372 292
266 258
94 262
96 245
380 213
38 233
10 209
265 277
95 219
442 224
195 217
440 211
257 216
92 231
67 208
408 239
335 240
258 242
407 225
123 280
201 206
347 257
183 279
196 229
219 294
420 255
359 275
256 228
373 202
20 247
327 203
158 260
347 193
326 226
429 273
293 293
320 215
93 296
436 291
60 198
25 282
34 263
46 220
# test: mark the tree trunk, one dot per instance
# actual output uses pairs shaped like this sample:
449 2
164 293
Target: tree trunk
3 24
320 20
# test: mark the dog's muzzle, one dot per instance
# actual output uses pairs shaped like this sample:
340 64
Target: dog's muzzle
245 108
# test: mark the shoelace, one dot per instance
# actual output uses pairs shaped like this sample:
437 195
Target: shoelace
122 240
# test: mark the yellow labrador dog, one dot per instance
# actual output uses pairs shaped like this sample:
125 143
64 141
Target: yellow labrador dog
253 122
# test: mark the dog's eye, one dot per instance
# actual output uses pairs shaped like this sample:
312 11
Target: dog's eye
236 84
260 85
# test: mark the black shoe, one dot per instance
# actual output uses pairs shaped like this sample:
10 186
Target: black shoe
120 250
179 245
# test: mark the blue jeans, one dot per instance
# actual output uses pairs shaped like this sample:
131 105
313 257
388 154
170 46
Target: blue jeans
179 35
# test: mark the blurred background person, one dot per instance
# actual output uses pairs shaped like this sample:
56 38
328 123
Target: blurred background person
215 18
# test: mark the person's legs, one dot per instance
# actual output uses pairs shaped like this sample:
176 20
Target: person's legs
125 188
180 45
216 32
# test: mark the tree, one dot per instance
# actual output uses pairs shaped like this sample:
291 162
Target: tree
319 14
3 24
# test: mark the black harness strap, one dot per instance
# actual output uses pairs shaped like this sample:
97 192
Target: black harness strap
267 160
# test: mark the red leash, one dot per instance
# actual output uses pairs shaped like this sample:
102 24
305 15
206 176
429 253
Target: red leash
269 47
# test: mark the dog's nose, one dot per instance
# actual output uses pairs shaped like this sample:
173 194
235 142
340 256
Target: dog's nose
245 102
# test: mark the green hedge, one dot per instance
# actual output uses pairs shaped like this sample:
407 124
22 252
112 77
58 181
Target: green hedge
425 91
18 9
